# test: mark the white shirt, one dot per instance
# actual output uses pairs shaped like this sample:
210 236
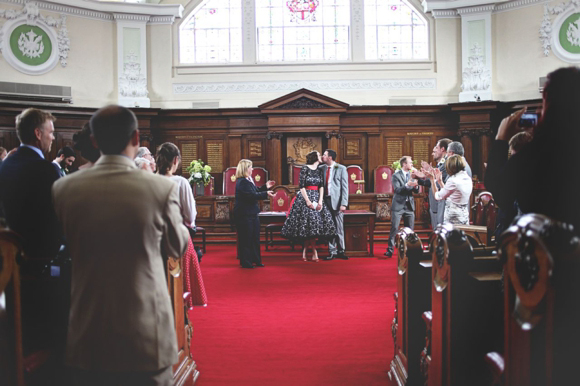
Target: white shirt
186 201
457 189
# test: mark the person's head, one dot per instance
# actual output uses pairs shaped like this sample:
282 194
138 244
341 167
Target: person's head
116 131
244 169
83 143
144 152
312 158
143 164
454 164
561 98
35 127
440 149
518 141
455 148
3 153
66 156
329 156
168 158
406 163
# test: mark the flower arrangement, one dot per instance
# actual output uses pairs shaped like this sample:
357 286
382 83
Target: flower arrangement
199 173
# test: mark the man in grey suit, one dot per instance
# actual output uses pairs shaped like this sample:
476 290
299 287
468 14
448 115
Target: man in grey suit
403 204
336 198
436 208
457 148
119 222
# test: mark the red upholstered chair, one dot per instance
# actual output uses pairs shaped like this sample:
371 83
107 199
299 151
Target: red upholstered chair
478 210
230 181
279 203
356 179
260 176
295 175
209 189
383 179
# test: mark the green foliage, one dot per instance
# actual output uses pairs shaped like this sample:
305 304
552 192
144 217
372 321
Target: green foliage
198 172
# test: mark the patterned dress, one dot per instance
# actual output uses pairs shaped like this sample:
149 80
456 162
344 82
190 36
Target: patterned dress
306 223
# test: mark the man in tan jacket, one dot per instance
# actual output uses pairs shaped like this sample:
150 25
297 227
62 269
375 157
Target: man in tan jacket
118 222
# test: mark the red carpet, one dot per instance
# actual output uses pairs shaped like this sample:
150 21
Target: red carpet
294 322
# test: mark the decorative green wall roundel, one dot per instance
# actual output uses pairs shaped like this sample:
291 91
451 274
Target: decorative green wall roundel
30 45
569 34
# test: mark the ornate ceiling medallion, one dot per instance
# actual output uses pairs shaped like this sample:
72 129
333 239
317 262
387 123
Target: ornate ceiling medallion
32 43
302 10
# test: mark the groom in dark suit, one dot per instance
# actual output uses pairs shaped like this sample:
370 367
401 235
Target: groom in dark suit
26 179
403 204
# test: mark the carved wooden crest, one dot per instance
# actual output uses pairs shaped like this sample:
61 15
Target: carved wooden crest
304 99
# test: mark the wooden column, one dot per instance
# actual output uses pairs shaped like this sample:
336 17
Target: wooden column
484 146
234 149
375 155
274 156
334 143
467 142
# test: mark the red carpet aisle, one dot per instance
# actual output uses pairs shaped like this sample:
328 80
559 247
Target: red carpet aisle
294 322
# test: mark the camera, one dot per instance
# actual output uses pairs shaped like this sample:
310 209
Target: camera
528 120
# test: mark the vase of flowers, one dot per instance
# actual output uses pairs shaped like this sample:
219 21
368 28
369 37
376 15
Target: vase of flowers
199 176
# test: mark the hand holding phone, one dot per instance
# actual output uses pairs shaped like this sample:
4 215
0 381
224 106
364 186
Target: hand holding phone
528 119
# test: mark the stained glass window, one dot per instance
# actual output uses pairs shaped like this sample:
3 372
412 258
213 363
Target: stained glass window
212 33
302 30
394 31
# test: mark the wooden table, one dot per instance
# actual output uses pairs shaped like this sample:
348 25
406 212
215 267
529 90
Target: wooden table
357 225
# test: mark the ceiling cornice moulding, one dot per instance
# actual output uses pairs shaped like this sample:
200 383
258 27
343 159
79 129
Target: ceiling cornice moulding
455 8
110 11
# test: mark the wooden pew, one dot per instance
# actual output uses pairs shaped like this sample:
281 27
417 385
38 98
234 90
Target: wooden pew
185 370
466 310
541 303
412 298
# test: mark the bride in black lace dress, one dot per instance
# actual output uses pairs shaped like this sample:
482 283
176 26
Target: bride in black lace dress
309 217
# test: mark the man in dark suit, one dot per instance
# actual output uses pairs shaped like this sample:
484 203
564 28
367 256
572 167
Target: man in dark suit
403 204
26 179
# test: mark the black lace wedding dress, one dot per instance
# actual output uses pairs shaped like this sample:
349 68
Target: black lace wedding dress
303 222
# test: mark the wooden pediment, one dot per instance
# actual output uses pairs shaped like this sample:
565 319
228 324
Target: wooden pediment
303 100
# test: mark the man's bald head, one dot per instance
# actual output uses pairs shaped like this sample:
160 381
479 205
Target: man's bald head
113 127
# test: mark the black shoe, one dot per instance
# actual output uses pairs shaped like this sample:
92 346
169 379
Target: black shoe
259 265
342 256
388 255
247 266
330 257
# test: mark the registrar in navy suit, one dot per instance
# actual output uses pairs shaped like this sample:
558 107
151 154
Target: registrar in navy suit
247 222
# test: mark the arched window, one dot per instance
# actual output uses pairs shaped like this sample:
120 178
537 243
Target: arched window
212 33
394 30
302 30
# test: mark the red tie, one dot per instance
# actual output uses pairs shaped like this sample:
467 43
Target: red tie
327 176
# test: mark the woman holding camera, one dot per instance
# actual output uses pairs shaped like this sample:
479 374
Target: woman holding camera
541 175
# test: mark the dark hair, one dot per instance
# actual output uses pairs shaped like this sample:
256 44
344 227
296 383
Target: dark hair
561 104
29 120
112 126
166 153
311 157
444 143
67 151
403 160
331 153
82 142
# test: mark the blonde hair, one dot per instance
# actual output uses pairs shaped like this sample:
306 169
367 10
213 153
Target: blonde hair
242 169
454 164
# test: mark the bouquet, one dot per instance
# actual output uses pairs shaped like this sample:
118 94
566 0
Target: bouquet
199 173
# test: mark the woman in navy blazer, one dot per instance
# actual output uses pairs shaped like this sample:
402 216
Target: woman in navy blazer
246 214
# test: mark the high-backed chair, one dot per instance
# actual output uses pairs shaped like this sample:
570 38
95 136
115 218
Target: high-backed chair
279 203
383 175
484 213
260 176
229 185
295 174
356 179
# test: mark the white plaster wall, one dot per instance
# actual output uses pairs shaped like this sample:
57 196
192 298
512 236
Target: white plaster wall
91 65
518 56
